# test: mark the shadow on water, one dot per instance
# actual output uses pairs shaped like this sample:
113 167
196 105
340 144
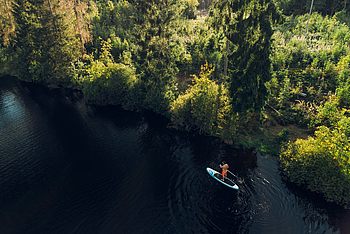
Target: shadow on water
318 211
68 167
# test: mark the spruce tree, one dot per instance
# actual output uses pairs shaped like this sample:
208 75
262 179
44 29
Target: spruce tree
154 28
247 27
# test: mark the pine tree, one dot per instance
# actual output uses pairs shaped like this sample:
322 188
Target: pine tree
246 25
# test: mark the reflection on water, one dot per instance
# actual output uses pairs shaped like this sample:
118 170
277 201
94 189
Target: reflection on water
66 167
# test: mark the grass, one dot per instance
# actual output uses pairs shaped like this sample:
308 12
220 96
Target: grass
268 140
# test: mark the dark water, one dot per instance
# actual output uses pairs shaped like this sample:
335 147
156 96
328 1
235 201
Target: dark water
66 167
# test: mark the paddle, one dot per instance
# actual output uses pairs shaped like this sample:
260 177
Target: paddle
233 174
238 179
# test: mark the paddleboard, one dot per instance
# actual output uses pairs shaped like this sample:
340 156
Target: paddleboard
217 176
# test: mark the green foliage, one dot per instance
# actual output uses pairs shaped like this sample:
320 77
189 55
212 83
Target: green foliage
205 106
149 35
283 136
322 162
158 50
325 7
112 84
159 70
343 89
204 46
45 42
309 63
7 24
343 16
343 92
328 113
114 18
247 25
106 82
7 61
190 9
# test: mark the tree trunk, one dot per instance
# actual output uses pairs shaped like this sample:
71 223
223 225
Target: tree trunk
226 57
53 15
345 2
307 24
50 6
76 3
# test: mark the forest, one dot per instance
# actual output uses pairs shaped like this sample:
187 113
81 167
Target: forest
265 74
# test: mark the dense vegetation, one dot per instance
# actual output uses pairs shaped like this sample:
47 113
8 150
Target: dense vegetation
322 162
247 72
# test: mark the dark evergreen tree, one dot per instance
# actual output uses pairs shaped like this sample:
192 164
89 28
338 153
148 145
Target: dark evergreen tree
28 25
156 24
247 27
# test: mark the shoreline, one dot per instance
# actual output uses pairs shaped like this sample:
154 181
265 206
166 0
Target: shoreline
265 140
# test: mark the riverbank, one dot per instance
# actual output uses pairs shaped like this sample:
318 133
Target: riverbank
260 138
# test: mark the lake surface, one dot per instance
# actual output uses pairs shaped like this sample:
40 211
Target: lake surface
67 167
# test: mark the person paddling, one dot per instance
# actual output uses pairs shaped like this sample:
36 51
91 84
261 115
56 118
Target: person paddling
224 169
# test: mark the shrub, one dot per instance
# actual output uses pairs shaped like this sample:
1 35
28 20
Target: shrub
110 84
322 162
205 106
343 93
106 82
308 64
7 58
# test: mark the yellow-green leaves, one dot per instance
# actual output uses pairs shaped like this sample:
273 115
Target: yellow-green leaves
205 106
322 162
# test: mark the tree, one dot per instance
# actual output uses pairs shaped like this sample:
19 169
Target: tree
205 106
27 27
155 27
7 28
46 42
325 7
247 27
204 4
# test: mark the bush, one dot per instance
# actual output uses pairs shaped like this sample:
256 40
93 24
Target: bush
157 96
110 85
7 58
343 93
343 90
205 106
328 113
106 82
322 162
309 63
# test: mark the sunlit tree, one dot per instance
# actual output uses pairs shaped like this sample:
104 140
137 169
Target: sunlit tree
45 41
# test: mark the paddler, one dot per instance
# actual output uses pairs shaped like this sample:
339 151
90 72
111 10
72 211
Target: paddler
224 169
